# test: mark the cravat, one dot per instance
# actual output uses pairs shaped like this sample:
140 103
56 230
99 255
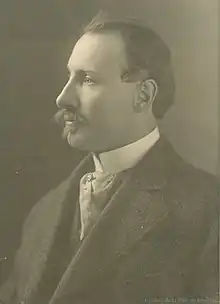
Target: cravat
94 192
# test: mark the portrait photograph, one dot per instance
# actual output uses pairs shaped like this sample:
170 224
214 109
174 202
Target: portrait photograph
109 152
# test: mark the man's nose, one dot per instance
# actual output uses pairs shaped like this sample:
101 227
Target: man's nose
67 97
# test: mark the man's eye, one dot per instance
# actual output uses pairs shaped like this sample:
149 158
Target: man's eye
87 79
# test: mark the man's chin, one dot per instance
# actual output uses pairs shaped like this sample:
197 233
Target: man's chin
76 140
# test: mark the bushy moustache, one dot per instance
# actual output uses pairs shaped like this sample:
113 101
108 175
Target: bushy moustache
63 115
66 115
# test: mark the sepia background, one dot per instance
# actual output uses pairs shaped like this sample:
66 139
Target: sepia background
36 39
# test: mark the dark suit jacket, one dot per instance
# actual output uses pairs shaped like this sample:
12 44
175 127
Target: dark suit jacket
156 238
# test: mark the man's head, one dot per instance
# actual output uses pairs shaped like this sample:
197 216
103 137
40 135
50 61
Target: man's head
120 79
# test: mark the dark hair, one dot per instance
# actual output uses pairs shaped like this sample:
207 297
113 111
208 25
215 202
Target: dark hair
145 52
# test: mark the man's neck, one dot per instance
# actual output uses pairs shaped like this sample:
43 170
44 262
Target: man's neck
133 137
126 156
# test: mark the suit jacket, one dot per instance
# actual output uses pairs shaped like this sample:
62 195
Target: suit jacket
155 239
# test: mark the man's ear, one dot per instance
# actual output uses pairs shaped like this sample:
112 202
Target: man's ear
145 95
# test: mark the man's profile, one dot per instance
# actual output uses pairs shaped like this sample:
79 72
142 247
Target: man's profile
134 222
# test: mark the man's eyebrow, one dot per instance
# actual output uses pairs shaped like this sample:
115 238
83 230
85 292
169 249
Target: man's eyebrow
81 71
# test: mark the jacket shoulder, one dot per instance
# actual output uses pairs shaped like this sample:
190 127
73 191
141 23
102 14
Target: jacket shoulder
43 208
192 198
53 199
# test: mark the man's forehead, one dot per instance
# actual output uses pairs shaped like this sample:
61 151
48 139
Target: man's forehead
98 51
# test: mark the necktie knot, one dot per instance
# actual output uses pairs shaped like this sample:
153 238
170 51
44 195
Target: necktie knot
87 178
94 190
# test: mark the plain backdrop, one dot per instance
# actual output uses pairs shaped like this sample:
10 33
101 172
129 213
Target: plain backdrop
35 45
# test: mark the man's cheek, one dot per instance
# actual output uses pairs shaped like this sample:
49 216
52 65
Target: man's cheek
92 93
95 115
88 109
97 107
90 99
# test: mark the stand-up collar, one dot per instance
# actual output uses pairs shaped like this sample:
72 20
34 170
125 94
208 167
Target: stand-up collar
125 157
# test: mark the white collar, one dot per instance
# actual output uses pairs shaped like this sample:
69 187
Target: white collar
126 157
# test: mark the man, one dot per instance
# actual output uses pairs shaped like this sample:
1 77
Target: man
133 223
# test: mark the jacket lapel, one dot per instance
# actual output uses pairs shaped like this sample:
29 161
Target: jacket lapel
134 210
48 222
